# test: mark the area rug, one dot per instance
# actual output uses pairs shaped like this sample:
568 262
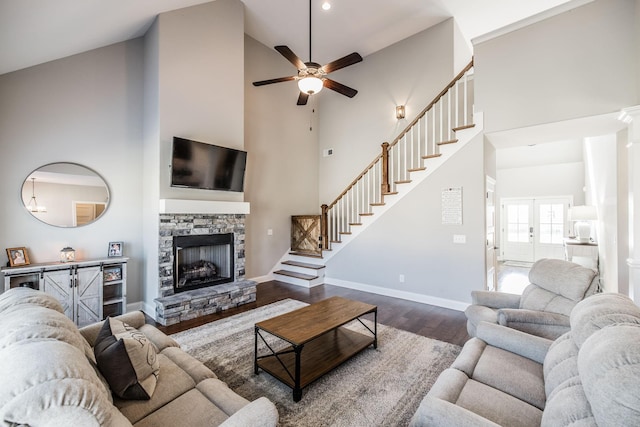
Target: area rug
378 387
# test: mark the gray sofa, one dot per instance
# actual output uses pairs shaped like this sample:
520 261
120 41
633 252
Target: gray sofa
543 309
590 376
50 376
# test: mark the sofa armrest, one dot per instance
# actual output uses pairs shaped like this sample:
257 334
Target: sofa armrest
90 332
507 315
526 345
259 413
438 412
495 299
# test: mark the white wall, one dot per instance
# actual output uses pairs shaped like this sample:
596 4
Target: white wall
201 84
410 239
602 181
85 109
577 64
282 177
411 72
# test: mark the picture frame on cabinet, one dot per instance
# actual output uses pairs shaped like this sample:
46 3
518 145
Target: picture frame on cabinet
115 249
18 257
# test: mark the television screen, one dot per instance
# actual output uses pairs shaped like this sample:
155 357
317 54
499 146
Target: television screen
209 167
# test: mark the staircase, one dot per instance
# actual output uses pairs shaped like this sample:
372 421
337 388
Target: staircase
445 126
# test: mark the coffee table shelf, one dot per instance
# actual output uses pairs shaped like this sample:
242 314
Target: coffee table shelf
319 341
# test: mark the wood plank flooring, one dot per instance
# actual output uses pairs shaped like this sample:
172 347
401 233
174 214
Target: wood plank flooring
422 319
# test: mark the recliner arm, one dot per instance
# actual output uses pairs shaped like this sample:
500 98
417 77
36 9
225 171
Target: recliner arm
259 413
495 299
518 342
506 316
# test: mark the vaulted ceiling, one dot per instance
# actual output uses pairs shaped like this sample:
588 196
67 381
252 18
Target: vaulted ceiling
37 31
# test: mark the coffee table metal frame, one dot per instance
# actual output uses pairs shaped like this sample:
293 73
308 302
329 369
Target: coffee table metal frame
326 348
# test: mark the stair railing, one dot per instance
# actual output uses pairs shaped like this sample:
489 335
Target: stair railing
451 110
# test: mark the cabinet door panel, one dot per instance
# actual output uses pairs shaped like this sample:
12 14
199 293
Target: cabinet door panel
89 295
58 284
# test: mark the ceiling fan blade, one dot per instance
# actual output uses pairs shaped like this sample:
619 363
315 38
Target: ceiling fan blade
352 58
302 98
270 81
292 57
340 88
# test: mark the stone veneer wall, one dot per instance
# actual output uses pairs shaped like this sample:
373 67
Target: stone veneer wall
192 225
173 308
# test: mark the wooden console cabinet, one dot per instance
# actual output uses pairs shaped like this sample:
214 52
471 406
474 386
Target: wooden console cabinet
88 290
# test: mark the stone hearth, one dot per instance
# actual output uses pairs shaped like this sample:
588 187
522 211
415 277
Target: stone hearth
173 308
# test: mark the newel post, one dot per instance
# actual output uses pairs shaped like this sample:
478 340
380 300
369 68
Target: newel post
385 188
324 231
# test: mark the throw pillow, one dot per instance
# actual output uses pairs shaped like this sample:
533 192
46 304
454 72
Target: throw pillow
127 359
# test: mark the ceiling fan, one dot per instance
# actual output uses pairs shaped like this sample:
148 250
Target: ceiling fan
312 77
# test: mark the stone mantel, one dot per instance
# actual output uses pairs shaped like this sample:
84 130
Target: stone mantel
182 206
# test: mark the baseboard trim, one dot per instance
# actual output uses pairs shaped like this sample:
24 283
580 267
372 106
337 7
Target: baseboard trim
262 279
142 306
410 296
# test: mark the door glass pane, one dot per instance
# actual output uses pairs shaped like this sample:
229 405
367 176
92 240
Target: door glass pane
551 223
518 223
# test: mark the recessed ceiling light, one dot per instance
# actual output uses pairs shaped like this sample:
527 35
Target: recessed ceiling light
326 5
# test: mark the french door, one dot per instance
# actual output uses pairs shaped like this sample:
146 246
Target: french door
534 228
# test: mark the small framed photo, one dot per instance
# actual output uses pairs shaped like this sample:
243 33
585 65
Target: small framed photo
112 273
18 257
115 249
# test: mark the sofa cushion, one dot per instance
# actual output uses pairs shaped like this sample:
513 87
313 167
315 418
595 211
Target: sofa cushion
600 311
127 359
609 365
190 409
172 383
539 299
36 322
567 406
16 297
563 278
189 364
561 363
49 382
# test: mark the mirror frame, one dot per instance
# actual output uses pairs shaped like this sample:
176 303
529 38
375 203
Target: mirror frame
104 181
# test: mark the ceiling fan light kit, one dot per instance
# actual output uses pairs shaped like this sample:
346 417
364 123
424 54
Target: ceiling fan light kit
311 76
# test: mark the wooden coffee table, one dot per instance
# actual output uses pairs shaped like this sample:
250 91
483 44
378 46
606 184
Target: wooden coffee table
318 341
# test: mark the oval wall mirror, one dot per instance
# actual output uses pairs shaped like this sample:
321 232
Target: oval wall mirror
65 194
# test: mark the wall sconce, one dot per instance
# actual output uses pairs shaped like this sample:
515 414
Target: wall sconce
67 254
400 113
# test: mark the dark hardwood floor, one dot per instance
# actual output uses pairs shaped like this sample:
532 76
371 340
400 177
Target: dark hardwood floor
422 319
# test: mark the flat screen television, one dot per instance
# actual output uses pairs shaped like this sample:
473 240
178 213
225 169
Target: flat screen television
204 166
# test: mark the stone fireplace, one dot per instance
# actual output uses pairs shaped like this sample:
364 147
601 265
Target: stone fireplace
192 246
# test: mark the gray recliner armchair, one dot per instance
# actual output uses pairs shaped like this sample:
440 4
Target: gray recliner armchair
543 308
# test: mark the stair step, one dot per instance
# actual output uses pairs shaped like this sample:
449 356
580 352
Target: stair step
345 232
453 141
404 181
463 127
296 275
336 241
390 193
431 156
377 204
306 254
303 264
417 169
355 223
367 213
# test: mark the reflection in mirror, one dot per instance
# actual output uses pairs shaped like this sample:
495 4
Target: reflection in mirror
65 194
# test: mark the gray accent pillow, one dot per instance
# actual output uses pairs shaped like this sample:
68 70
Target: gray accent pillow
127 359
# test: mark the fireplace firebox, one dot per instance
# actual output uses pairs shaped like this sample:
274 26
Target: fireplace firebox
202 260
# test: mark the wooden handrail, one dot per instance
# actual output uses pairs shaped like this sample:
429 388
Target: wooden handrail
432 103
